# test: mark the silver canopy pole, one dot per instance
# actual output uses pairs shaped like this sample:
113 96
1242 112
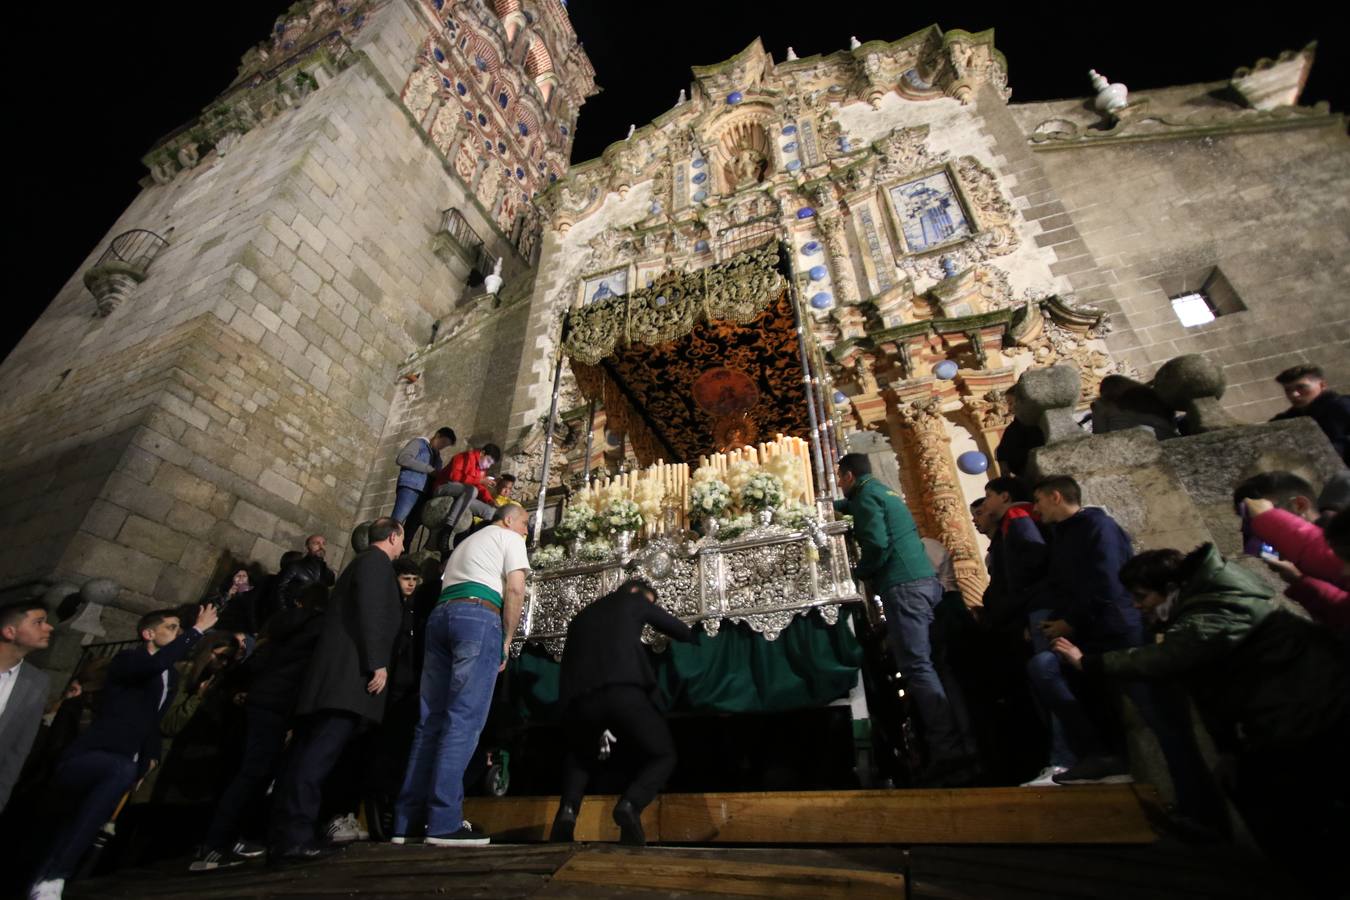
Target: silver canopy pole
799 320
548 439
590 438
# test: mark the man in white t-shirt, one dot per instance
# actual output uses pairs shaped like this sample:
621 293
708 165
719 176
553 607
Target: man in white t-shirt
467 637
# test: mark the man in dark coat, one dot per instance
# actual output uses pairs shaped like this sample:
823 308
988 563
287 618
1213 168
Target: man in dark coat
271 677
343 687
606 683
298 574
1308 395
122 742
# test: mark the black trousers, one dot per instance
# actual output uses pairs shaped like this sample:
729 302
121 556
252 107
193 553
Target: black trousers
264 743
630 715
320 742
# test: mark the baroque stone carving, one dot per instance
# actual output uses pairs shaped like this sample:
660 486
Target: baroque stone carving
926 455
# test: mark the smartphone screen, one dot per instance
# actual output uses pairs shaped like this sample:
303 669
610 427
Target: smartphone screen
1251 544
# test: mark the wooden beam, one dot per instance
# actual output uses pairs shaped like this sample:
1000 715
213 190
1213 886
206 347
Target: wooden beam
703 876
1089 814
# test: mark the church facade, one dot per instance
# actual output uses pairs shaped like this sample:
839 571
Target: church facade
308 296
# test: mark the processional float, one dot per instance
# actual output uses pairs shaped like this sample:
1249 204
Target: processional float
719 386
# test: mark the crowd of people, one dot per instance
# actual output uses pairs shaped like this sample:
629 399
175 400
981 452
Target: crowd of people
329 683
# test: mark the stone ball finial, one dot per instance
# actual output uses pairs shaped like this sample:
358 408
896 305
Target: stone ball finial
853 42
361 537
1193 384
1046 398
1185 378
102 591
1052 387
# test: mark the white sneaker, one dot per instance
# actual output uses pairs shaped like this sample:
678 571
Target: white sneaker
1046 778
346 829
47 890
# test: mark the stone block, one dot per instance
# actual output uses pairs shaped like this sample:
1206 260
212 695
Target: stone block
177 586
189 519
104 520
199 557
184 486
93 557
252 519
132 495
151 538
1211 465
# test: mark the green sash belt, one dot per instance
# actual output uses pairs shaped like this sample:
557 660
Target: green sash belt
466 589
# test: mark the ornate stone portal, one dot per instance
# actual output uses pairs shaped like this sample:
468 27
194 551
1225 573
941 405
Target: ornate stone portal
902 249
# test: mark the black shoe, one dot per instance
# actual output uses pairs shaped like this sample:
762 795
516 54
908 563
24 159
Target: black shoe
466 836
294 856
1096 770
629 821
564 825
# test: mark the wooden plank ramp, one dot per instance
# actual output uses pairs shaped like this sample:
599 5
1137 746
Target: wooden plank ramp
1095 814
649 871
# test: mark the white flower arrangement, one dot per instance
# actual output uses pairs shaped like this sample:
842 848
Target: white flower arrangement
739 474
622 515
736 527
709 497
763 490
550 557
577 520
596 549
795 516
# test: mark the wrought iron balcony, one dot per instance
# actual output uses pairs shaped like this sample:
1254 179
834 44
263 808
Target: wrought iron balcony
122 266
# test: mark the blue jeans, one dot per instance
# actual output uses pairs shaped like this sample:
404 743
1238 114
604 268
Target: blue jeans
405 498
909 615
1060 754
459 671
87 785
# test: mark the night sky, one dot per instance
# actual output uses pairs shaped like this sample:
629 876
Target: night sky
91 88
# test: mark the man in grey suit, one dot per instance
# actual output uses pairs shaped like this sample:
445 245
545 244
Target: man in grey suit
23 688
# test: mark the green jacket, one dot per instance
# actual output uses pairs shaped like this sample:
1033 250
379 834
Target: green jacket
1260 676
887 537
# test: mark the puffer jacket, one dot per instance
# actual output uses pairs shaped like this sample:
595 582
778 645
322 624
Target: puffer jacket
1259 675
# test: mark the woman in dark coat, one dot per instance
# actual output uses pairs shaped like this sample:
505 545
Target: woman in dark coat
237 602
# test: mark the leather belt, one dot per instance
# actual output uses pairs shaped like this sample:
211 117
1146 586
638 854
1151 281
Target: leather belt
476 601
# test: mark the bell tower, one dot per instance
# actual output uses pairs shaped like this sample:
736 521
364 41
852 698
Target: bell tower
216 380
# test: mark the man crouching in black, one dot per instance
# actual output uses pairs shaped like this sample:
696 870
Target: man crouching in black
607 683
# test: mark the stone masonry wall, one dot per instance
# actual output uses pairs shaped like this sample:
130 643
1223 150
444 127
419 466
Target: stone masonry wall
1271 210
466 381
236 401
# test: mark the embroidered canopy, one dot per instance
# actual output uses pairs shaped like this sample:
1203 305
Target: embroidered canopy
695 361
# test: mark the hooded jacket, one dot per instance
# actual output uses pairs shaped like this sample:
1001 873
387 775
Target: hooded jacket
1259 675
